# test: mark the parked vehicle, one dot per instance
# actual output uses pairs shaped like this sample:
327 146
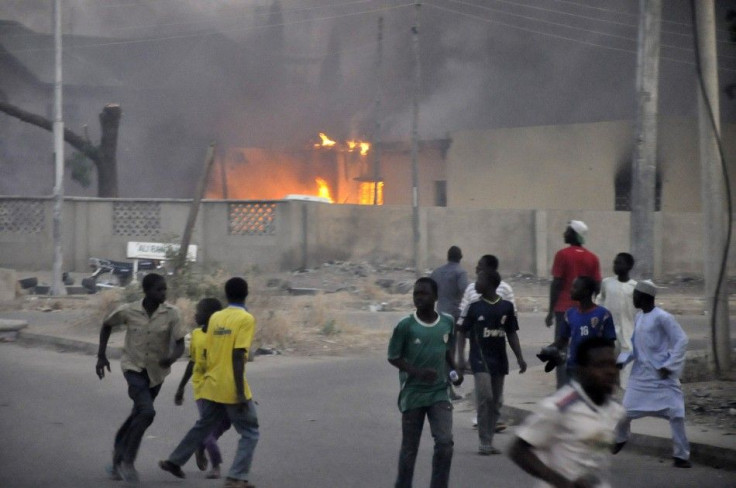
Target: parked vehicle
107 273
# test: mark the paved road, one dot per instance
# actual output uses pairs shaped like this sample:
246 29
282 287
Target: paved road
325 423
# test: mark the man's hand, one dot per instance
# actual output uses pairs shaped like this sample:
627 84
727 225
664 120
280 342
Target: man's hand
102 363
664 373
522 366
242 403
179 397
459 380
549 319
166 362
427 375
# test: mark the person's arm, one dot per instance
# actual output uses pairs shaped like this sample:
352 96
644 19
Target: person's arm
467 297
513 338
427 375
453 367
102 361
554 293
522 453
238 373
678 346
179 395
460 349
175 354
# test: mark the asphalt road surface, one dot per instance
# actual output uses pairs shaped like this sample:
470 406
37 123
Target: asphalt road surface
324 423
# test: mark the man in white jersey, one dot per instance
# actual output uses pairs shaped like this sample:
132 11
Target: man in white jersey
567 442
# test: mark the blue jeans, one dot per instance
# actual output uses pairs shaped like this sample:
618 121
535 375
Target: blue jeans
129 436
440 423
244 421
210 443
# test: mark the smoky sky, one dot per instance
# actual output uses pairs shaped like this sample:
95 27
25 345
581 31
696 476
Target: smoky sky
276 73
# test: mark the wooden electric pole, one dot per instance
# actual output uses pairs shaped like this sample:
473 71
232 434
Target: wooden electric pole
377 135
58 131
644 170
181 258
712 185
415 142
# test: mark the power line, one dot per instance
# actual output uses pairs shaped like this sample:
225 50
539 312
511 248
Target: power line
567 26
213 33
558 36
194 22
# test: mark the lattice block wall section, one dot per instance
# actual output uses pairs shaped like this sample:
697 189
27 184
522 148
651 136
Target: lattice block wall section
136 219
22 216
252 219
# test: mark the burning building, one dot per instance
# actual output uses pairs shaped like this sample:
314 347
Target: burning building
338 171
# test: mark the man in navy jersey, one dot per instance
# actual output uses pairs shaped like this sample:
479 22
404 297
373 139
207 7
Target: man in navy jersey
488 322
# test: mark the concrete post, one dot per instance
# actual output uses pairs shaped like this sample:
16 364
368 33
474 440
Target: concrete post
644 171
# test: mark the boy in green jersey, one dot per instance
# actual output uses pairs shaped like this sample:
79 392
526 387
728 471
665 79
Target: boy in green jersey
421 348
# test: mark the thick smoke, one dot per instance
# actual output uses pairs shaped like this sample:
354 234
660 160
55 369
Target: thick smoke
273 74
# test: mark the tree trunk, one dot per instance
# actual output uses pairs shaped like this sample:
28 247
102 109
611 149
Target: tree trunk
104 157
107 169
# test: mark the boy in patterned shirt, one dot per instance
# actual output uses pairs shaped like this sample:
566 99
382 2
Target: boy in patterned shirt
585 320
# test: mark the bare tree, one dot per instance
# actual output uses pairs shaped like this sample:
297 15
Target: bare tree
104 155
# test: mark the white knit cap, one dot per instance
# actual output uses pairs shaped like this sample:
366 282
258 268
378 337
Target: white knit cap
579 227
648 287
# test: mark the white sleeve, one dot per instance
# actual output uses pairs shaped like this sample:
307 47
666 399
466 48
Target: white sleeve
505 291
540 429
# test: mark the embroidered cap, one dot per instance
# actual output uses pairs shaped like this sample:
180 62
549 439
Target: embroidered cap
647 286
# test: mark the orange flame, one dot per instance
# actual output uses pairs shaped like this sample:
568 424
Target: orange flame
326 141
364 148
324 189
367 193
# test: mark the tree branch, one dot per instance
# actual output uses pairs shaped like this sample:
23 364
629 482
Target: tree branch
76 141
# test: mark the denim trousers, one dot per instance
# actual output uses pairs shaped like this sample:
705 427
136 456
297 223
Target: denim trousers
488 398
210 442
245 422
129 436
440 424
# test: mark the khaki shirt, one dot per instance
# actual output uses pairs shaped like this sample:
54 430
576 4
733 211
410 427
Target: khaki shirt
147 339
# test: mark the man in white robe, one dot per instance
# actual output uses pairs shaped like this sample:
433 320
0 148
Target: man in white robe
654 384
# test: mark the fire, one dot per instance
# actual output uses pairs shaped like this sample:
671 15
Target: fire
324 189
326 141
367 193
349 145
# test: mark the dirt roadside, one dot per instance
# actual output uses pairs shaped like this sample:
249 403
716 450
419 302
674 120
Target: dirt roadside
298 316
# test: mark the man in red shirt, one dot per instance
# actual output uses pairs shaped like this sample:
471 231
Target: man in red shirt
569 263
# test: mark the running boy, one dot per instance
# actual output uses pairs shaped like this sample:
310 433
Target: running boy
617 294
420 347
488 322
584 321
195 370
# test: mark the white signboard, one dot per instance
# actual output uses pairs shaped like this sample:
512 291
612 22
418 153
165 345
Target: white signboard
158 250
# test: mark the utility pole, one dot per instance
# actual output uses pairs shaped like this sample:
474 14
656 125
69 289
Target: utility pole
644 171
181 258
377 136
58 131
712 185
415 141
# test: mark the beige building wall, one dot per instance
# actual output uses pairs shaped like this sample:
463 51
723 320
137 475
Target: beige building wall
567 167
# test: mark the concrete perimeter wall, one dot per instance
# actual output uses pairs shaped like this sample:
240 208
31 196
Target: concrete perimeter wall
285 235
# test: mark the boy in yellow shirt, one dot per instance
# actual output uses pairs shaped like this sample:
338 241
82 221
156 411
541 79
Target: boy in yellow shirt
195 370
225 392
